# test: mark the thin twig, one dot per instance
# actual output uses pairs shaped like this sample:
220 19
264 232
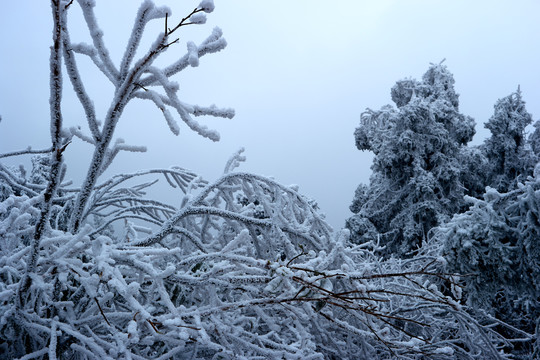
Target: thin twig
153 326
26 152
101 311
183 21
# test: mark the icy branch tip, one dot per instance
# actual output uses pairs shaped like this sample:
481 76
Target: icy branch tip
207 6
198 19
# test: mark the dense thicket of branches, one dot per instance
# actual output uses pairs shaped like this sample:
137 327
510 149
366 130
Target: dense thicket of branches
243 268
219 281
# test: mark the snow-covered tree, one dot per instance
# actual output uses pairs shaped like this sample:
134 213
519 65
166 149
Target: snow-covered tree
243 268
534 140
507 150
416 181
495 244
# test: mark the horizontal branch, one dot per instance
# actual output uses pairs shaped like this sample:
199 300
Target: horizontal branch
26 152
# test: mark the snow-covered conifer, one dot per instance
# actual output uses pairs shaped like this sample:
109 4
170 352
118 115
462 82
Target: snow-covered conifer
416 170
510 156
495 245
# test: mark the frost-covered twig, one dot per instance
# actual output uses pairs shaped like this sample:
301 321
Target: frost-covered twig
25 152
128 80
78 86
87 7
282 210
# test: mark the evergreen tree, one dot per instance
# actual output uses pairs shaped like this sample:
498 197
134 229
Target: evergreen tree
475 167
495 242
416 180
534 140
496 245
509 154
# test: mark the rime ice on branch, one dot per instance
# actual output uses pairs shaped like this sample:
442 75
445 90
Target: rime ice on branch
136 79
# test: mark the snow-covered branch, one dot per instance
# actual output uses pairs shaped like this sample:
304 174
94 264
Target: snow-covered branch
27 151
128 82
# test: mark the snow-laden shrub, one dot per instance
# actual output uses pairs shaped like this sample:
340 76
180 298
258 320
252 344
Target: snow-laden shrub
217 282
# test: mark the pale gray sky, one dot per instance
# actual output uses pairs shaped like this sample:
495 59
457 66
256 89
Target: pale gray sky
298 73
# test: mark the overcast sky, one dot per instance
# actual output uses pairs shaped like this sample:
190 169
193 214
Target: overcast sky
298 73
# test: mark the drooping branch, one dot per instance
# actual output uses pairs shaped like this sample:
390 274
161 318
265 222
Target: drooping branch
288 215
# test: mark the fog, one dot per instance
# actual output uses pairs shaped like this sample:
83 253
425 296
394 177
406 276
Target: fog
298 73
